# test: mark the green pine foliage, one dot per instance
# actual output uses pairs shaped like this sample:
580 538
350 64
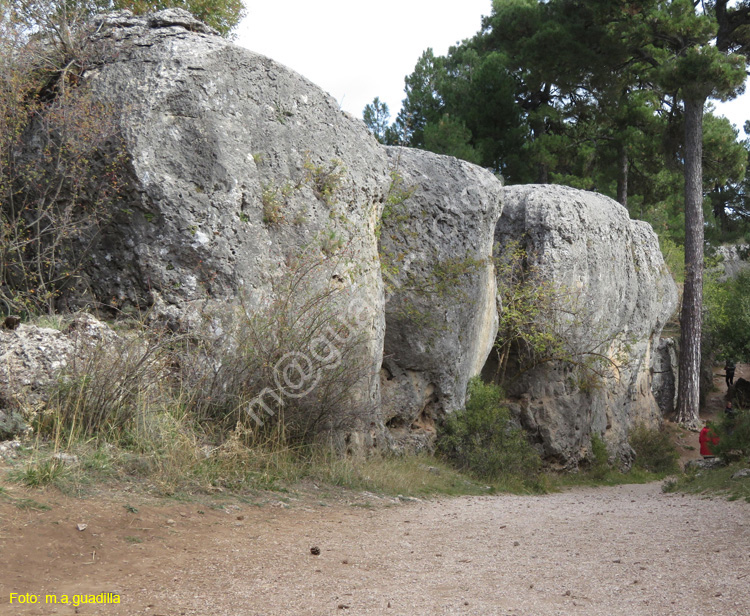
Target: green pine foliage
599 466
52 17
728 315
590 95
222 15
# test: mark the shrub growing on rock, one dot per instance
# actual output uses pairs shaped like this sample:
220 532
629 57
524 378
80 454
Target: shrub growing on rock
654 450
484 440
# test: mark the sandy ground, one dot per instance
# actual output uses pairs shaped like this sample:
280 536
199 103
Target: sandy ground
627 550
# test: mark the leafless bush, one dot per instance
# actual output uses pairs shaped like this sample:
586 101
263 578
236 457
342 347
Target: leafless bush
60 162
300 362
112 386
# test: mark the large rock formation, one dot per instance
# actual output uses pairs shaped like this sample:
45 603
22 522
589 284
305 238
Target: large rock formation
248 192
436 247
732 259
615 297
244 181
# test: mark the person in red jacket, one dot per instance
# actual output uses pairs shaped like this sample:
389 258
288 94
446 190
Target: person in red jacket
706 439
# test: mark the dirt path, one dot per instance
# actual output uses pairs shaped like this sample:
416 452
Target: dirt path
627 550
687 441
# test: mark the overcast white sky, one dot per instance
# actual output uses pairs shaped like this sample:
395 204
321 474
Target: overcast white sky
358 50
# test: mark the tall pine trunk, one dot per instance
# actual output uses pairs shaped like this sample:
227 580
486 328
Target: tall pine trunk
622 175
691 318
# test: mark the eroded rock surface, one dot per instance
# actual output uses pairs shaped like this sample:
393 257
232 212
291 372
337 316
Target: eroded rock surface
441 319
618 294
244 174
246 182
666 372
243 177
32 358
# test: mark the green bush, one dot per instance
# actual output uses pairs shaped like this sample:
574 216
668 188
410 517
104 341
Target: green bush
483 440
727 320
734 436
599 460
654 450
674 257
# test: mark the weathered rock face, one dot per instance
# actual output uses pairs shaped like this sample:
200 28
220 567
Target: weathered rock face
246 187
243 176
733 259
436 245
237 162
665 369
620 295
31 359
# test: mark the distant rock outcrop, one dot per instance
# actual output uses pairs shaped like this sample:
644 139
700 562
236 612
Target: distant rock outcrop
733 259
619 296
665 369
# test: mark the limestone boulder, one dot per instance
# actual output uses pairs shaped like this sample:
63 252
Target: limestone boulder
615 295
731 260
32 359
247 186
244 180
436 246
247 192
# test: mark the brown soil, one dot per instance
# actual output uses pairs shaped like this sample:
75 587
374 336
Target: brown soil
625 550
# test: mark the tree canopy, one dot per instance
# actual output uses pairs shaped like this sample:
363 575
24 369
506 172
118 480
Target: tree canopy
588 94
54 16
